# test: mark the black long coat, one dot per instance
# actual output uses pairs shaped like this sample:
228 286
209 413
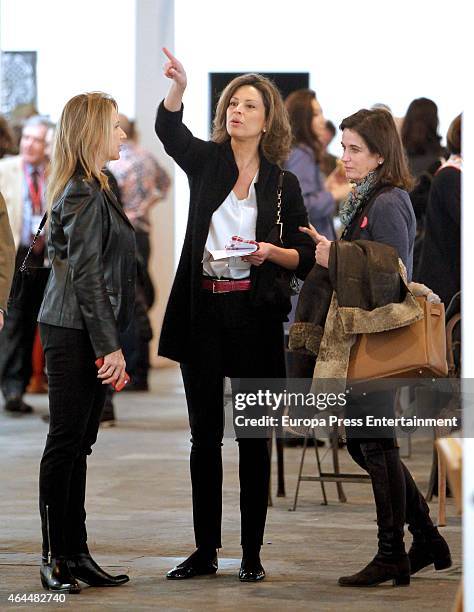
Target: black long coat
212 172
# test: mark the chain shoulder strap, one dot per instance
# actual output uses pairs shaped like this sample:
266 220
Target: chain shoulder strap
38 232
279 222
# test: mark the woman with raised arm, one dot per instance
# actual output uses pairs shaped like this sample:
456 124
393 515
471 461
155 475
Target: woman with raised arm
224 317
88 300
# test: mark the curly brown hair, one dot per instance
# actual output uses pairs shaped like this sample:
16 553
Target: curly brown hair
275 143
379 132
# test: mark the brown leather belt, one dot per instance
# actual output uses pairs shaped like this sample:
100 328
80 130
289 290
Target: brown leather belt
225 285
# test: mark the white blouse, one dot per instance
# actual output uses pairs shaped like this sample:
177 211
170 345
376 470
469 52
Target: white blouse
234 217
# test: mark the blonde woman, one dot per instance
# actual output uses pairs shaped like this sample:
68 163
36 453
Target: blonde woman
88 300
224 318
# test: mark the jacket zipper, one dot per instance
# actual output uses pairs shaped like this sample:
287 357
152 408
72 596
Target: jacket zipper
49 535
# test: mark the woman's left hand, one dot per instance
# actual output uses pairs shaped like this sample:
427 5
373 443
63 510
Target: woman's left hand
262 254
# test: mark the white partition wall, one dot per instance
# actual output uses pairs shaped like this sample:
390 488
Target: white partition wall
81 46
155 28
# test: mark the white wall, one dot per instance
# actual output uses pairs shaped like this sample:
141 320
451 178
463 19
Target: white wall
82 46
357 53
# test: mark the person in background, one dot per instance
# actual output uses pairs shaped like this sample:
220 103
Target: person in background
224 317
440 260
23 182
7 139
425 155
328 160
91 246
7 259
142 183
320 197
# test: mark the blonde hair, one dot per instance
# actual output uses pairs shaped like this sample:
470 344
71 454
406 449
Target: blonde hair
276 141
83 132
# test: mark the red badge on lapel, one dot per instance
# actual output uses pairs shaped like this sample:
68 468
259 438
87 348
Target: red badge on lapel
364 222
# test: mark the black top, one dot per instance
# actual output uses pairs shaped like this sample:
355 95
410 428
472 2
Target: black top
91 246
440 262
212 173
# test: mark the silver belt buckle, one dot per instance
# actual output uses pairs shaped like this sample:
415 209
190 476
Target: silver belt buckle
219 281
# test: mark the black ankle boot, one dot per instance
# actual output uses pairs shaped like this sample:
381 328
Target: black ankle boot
428 547
380 570
56 576
390 563
83 567
200 563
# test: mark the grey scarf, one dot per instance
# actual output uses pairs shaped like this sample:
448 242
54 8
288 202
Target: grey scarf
357 197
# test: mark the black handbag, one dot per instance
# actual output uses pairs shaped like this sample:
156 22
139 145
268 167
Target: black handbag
275 284
29 283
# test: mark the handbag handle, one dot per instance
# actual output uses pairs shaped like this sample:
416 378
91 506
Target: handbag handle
38 232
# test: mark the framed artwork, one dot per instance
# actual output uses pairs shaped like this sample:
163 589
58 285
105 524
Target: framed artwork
18 88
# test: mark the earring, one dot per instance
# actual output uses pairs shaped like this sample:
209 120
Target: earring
380 162
264 130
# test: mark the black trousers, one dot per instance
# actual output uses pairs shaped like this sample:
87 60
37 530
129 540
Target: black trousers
17 337
136 339
232 340
76 400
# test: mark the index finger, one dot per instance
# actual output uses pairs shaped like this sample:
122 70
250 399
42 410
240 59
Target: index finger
319 237
169 55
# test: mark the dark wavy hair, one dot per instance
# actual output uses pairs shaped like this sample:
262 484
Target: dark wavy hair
453 136
379 132
276 141
420 128
300 111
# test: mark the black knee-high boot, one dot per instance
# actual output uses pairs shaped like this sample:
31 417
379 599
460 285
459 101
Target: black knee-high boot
388 484
428 546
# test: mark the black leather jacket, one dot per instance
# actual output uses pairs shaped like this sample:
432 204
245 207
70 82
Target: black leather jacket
91 246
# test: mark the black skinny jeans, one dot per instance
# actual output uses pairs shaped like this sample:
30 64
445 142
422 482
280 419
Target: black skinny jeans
230 340
76 400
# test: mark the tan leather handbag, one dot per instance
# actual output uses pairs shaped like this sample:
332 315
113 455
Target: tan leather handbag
417 350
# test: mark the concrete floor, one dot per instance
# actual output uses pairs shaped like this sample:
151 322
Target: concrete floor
140 521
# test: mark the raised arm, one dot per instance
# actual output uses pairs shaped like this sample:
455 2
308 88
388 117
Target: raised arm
173 69
188 151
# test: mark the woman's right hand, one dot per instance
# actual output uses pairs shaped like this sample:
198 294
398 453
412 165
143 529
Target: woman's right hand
113 369
173 69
